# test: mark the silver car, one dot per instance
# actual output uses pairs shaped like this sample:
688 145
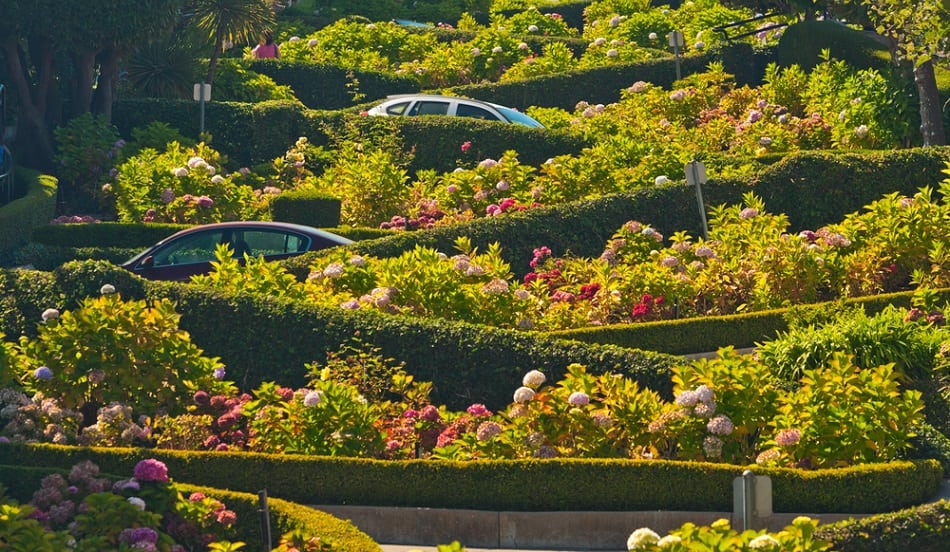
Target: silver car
430 104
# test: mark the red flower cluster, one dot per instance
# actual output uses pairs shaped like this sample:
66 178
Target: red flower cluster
647 307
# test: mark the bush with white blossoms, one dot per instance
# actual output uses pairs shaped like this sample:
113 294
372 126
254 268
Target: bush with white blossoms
182 185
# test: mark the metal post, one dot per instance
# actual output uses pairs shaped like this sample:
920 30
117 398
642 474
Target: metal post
696 175
748 499
677 42
201 102
265 518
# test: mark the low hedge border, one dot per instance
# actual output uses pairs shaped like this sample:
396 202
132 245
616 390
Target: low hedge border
709 333
609 485
925 528
285 516
21 216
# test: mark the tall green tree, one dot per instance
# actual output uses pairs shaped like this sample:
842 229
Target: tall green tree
62 59
234 21
918 30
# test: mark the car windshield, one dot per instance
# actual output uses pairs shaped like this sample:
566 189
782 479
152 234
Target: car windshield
518 117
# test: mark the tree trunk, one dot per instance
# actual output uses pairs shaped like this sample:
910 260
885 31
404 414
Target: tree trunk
218 42
105 91
85 63
931 113
33 145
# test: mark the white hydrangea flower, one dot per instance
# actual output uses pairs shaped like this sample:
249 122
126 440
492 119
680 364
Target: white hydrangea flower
534 378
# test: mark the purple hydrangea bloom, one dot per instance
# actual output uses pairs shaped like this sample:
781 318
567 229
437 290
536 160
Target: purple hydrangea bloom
151 470
43 373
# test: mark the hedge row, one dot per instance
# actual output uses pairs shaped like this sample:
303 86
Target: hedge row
692 335
21 481
604 84
921 529
466 363
321 86
608 484
251 134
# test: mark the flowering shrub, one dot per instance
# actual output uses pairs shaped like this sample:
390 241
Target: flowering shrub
837 411
470 286
145 512
797 537
89 147
359 404
184 185
109 350
371 184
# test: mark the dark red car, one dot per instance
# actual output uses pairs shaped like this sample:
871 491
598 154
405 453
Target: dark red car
190 252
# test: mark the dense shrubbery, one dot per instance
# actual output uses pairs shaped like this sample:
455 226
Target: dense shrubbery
360 404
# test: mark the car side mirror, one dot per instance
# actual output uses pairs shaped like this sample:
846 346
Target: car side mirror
147 262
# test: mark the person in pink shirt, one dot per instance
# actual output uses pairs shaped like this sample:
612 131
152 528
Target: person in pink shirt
267 48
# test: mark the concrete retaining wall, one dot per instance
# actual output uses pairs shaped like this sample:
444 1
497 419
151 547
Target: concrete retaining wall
531 530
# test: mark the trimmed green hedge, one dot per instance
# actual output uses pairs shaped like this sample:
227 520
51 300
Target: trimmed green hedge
603 84
105 234
21 216
709 333
925 528
311 209
256 133
608 485
802 43
330 87
22 481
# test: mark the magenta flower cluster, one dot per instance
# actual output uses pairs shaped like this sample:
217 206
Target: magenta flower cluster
151 470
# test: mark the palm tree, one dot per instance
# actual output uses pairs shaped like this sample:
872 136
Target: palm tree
234 21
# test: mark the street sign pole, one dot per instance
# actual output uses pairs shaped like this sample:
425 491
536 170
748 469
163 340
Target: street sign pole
696 177
202 93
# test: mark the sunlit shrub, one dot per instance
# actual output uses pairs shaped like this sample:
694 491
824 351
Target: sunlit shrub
182 185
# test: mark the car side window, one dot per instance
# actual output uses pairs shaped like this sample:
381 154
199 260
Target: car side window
429 108
264 242
465 110
197 248
397 108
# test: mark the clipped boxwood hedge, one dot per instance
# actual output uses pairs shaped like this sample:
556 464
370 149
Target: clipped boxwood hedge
21 481
608 484
307 208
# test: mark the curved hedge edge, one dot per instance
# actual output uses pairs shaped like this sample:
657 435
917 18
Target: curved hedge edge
38 207
285 516
924 528
610 485
709 333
